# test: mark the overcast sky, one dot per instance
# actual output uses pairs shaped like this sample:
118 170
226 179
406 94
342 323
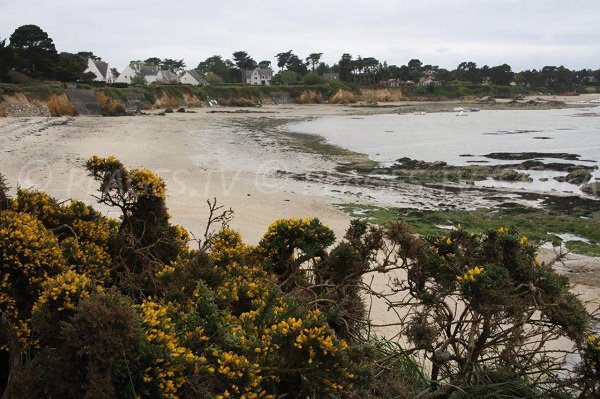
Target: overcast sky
523 33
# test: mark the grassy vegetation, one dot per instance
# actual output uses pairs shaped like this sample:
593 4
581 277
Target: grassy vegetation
38 90
465 90
540 225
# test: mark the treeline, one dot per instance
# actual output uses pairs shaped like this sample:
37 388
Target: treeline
31 53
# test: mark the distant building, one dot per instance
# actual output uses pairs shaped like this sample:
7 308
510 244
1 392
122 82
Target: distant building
259 76
192 77
391 83
100 69
150 74
429 81
127 74
332 76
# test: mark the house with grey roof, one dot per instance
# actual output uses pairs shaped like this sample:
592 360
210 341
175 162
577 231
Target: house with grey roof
100 70
259 76
150 74
192 77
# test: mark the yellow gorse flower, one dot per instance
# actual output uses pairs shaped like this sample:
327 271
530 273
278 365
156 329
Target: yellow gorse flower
470 274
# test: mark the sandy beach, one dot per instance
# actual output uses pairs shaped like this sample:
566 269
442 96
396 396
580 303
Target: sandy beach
198 154
201 155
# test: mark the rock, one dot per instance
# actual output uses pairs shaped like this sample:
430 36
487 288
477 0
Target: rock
511 175
521 156
26 110
168 111
181 110
591 188
577 177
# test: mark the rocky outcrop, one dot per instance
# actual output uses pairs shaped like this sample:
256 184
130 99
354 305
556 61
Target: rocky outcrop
577 177
26 110
592 188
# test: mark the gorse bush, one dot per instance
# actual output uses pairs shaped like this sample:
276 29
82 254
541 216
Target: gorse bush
94 307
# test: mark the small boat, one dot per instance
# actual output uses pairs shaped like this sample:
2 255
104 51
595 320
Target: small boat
421 113
462 113
459 109
474 110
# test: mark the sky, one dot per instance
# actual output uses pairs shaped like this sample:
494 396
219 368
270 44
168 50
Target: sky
525 34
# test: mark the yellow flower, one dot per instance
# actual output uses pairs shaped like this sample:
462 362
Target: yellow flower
523 241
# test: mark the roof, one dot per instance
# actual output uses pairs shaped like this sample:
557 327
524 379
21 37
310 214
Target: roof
261 71
149 70
102 67
168 75
196 75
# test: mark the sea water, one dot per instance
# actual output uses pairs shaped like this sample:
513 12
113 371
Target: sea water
456 140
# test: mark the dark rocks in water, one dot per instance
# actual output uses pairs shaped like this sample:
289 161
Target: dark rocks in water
181 110
466 155
511 175
544 179
168 111
591 188
520 156
577 177
407 163
543 138
555 166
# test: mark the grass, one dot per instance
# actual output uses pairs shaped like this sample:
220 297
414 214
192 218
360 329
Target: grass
540 225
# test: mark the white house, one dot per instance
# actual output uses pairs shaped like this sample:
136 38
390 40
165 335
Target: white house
127 74
192 78
429 81
150 74
100 69
259 76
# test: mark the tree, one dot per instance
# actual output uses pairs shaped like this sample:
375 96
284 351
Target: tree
468 71
323 68
296 65
501 74
313 59
415 64
88 54
6 60
115 72
285 78
153 61
244 62
443 75
216 66
34 52
264 64
345 66
70 67
282 59
176 66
